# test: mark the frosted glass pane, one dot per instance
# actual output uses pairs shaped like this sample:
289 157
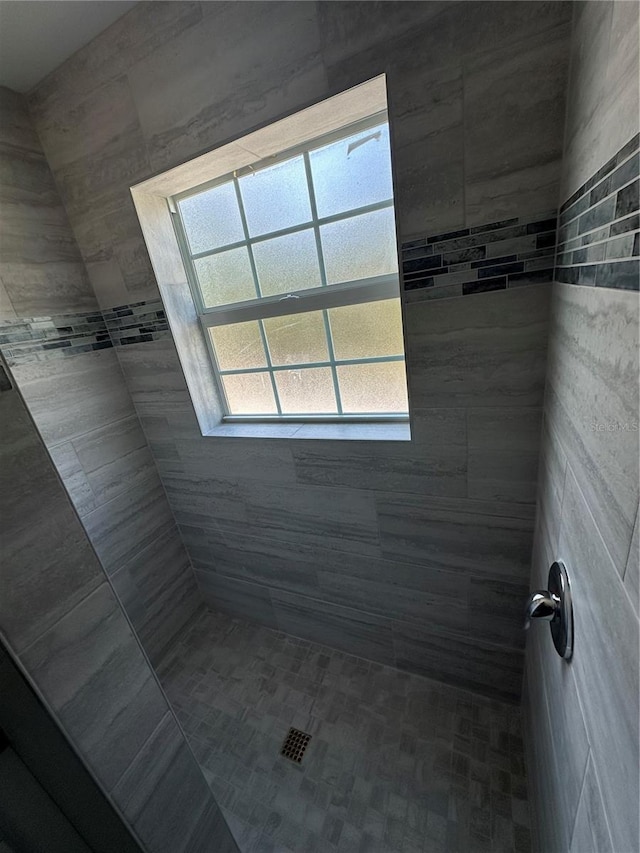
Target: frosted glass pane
287 263
306 392
212 219
352 172
368 330
225 277
377 388
238 346
276 197
297 338
249 394
360 247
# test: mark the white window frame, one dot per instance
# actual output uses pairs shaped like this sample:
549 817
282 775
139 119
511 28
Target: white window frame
320 298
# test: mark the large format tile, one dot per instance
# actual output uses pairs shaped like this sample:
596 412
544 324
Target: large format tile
466 663
590 831
114 458
429 189
483 350
94 676
552 470
479 537
550 826
503 453
343 628
125 525
157 588
204 501
72 474
632 570
136 34
605 663
348 29
436 466
236 459
254 80
342 519
48 564
174 794
592 403
568 740
246 600
514 117
17 129
73 396
383 587
153 374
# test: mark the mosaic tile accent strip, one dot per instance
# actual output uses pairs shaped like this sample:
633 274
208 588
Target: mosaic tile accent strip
43 338
136 323
599 226
495 256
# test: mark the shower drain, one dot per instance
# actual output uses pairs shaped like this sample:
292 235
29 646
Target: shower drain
295 744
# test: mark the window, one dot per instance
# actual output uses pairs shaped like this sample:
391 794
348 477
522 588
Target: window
293 267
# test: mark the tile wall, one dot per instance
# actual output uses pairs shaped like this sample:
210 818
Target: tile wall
61 620
59 347
582 717
327 538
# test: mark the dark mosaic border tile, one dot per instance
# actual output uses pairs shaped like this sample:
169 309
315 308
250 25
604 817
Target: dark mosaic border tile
58 336
137 323
599 226
498 255
64 335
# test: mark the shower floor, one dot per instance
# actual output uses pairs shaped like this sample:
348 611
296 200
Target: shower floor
396 763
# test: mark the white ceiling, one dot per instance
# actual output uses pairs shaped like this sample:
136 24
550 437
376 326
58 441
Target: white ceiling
37 36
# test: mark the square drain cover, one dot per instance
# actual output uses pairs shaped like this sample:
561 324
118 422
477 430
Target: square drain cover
295 744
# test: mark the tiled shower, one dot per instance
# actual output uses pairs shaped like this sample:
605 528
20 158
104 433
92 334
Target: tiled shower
202 595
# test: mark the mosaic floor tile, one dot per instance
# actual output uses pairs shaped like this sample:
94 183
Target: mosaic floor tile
396 763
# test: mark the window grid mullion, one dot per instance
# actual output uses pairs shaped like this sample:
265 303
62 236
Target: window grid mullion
275 368
274 387
254 273
293 229
323 278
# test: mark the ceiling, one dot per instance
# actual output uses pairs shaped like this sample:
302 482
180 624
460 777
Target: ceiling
37 36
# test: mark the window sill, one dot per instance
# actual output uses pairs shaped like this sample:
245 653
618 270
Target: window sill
328 431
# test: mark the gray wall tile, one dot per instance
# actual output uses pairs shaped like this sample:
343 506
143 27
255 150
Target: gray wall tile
430 468
588 492
605 663
590 831
158 591
115 457
48 565
76 646
343 628
74 396
516 170
632 570
592 402
239 598
140 99
42 270
164 815
81 404
128 522
503 453
457 358
91 672
466 536
463 662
